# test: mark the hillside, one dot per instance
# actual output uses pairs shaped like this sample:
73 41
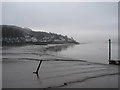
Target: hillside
18 35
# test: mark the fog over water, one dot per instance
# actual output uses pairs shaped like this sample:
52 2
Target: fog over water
84 21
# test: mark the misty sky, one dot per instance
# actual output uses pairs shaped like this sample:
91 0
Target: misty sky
84 21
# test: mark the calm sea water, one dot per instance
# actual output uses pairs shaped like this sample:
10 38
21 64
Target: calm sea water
93 52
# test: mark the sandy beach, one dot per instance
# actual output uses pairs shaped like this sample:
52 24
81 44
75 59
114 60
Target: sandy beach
55 72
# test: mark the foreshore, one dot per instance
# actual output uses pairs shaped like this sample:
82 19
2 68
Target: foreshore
19 63
58 74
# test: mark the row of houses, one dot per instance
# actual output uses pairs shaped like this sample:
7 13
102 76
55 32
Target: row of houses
29 39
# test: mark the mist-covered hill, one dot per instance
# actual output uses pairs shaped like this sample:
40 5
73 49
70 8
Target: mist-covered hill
18 35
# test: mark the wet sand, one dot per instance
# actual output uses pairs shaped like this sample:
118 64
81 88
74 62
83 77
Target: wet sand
58 74
56 71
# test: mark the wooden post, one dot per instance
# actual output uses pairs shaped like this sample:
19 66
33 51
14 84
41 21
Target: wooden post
109 49
38 67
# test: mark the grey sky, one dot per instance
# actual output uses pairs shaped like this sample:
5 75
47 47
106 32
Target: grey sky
81 20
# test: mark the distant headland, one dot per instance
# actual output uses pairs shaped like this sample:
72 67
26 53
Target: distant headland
12 35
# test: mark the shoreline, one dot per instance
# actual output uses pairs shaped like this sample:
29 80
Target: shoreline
56 70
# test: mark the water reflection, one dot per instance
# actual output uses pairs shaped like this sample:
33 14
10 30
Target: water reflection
38 78
58 48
